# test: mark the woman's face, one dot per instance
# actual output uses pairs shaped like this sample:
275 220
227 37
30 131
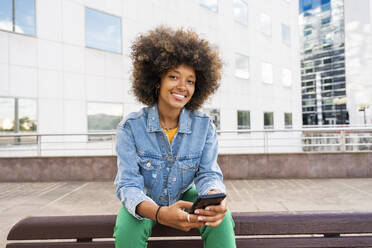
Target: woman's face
177 87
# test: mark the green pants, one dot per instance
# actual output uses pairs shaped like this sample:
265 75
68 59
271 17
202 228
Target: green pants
132 233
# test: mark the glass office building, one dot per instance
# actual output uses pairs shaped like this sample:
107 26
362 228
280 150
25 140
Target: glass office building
323 62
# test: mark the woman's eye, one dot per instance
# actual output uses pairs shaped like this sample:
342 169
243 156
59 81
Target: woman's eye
190 82
173 77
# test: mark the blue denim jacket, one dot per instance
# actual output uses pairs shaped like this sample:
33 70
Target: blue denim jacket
150 169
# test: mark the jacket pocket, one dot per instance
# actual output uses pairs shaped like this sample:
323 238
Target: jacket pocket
188 169
150 169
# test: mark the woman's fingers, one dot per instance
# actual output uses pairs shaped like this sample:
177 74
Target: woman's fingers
183 204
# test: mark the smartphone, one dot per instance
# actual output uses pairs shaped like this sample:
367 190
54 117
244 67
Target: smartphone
207 200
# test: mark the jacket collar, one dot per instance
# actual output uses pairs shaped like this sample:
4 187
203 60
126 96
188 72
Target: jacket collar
153 123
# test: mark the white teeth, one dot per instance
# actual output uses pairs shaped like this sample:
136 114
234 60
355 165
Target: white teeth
176 95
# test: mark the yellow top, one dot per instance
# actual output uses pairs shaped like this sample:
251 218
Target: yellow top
171 133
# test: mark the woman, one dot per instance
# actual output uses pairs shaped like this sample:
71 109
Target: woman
167 152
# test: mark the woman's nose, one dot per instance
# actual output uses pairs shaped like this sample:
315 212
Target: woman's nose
181 83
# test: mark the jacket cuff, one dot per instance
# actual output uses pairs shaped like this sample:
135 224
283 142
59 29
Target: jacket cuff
131 204
218 185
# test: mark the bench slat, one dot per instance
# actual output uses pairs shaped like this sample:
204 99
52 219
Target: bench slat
263 223
292 242
100 244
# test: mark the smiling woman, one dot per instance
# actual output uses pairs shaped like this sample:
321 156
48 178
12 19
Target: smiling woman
167 152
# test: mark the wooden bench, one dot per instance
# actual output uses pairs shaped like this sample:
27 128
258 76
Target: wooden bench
259 230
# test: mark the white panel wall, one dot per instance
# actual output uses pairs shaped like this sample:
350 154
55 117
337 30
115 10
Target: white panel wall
56 68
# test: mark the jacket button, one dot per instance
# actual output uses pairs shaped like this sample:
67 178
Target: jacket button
174 179
148 164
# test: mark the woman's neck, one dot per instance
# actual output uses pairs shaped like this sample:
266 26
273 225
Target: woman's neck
168 118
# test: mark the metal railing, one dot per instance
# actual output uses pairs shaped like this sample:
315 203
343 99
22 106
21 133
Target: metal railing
331 139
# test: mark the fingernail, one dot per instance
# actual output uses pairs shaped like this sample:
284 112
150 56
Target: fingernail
197 211
207 208
207 223
200 218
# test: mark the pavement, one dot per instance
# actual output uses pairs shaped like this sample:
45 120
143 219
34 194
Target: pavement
20 200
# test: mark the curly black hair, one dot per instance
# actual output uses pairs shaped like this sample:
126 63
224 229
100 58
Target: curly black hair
162 49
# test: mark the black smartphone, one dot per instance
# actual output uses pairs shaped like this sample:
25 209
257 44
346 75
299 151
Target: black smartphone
207 200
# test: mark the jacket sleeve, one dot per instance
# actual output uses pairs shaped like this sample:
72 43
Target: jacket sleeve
129 181
209 175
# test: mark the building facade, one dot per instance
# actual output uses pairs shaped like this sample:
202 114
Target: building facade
65 66
335 61
323 79
358 53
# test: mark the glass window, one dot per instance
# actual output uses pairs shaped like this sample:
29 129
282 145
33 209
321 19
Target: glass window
27 115
241 11
241 66
268 120
210 4
104 116
244 119
288 120
20 19
18 115
7 106
267 73
215 116
102 31
286 77
286 34
265 21
6 15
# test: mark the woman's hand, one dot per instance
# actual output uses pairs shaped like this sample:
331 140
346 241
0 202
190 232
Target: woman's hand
175 216
212 215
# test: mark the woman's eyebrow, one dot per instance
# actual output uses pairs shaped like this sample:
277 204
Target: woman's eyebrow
180 73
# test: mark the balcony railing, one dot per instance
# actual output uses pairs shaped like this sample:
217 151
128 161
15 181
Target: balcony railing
312 139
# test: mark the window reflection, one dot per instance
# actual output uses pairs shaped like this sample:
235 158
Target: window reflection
241 66
286 34
24 13
104 116
103 31
288 120
18 115
265 21
241 11
286 77
244 120
268 120
27 115
6 14
267 73
210 4
21 19
7 114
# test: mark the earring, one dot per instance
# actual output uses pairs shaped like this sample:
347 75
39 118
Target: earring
157 88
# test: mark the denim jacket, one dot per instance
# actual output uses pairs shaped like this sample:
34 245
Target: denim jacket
150 169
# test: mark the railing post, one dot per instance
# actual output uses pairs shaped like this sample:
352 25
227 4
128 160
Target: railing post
342 141
113 143
266 142
38 145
